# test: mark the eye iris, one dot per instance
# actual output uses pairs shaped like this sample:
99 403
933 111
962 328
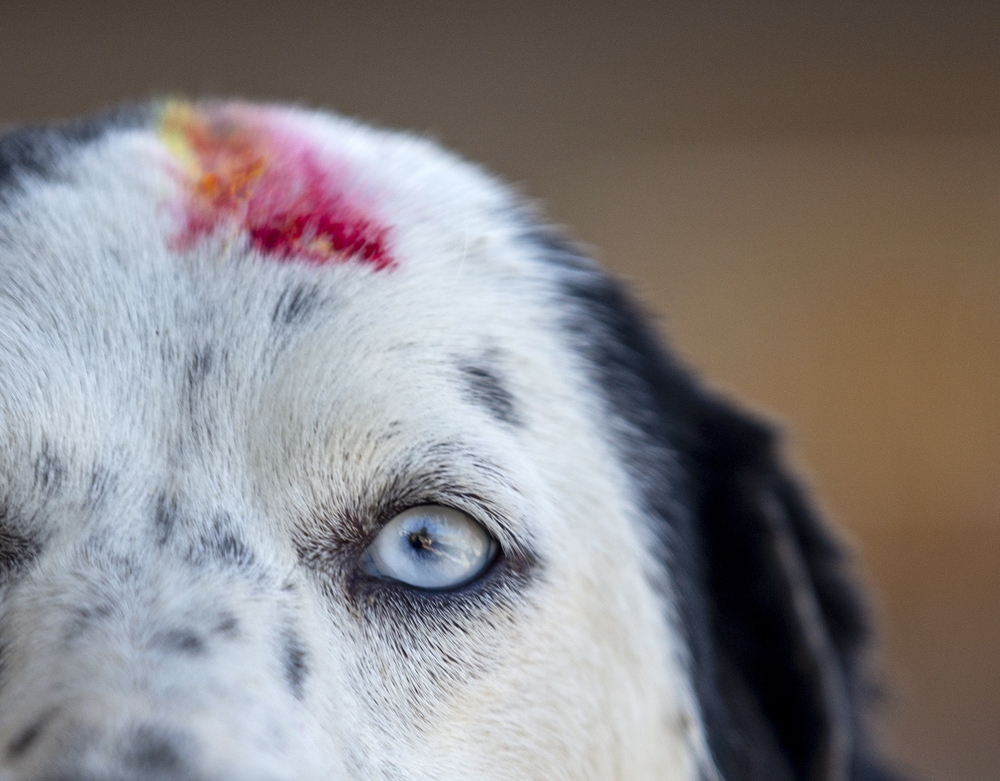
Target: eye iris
431 547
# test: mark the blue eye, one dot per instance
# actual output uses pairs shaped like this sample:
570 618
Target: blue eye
431 547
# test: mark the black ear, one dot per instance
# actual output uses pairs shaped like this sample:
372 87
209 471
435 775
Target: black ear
786 621
775 624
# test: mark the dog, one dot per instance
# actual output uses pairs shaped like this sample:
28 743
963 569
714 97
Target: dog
323 457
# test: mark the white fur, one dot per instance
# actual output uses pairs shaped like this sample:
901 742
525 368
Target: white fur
581 676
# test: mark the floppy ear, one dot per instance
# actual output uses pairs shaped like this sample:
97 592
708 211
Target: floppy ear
774 623
786 622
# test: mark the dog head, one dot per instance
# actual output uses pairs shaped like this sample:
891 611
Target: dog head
321 459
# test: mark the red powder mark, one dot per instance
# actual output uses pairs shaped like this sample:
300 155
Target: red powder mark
243 169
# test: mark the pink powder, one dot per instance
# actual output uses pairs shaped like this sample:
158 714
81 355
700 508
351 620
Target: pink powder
241 167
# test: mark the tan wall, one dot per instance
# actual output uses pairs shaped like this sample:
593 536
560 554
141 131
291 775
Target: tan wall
807 193
852 288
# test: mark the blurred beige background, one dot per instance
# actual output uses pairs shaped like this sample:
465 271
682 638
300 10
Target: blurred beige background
807 193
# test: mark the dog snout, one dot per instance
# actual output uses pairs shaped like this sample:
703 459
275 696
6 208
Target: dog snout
52 748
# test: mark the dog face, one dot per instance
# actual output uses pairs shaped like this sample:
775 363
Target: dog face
321 459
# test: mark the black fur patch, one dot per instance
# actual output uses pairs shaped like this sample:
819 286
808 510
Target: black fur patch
779 684
85 617
221 544
202 362
295 304
293 662
185 641
155 751
23 742
16 551
199 366
164 518
228 625
485 387
36 151
50 471
216 541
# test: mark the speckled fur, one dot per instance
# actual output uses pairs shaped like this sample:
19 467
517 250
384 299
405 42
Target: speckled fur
197 441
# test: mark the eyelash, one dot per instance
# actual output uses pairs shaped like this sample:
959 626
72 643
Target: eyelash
371 598
337 559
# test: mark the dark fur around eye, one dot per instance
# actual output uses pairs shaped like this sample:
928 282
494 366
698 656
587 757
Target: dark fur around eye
335 547
16 552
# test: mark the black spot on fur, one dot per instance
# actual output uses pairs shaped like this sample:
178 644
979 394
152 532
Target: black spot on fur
221 544
164 518
199 366
293 661
202 361
228 625
231 550
215 542
50 472
23 742
774 623
36 152
16 552
185 641
155 751
85 617
295 304
485 387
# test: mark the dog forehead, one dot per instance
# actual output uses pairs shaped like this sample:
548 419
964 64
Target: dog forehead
284 184
226 241
313 188
299 186
199 188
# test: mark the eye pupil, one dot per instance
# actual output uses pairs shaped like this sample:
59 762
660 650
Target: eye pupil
421 540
